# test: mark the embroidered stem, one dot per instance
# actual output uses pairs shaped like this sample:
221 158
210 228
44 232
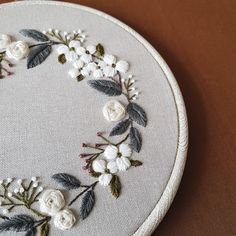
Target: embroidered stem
92 186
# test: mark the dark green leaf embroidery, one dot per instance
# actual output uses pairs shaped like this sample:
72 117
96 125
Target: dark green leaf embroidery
135 163
120 128
31 232
44 231
18 223
135 139
38 55
62 58
67 181
107 87
100 50
137 114
87 204
115 186
34 34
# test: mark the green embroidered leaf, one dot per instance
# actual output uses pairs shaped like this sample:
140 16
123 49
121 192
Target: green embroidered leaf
100 50
34 34
80 78
115 186
18 223
62 58
120 128
87 204
135 139
67 181
38 55
31 232
137 114
44 231
95 174
107 87
135 163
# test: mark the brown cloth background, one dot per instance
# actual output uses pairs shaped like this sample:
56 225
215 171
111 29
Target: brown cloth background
197 38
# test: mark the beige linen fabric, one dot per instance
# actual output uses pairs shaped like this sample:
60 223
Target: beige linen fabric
45 117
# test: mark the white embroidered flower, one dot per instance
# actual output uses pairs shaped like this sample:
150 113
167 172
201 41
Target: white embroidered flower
119 156
17 50
113 65
78 64
74 44
86 53
74 73
5 40
113 111
64 219
69 52
97 69
51 202
100 166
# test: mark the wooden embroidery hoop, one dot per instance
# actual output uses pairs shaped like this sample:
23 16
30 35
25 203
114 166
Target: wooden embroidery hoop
163 204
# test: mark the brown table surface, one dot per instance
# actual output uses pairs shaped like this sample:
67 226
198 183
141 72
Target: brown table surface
197 38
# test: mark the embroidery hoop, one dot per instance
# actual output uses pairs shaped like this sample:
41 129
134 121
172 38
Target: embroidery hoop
163 204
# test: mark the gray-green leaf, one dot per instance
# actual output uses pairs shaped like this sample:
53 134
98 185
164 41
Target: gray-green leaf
137 114
17 223
34 34
67 181
115 186
120 128
31 232
107 87
87 204
38 55
135 139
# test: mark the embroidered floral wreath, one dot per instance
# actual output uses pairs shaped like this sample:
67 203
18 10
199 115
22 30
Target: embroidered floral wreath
104 159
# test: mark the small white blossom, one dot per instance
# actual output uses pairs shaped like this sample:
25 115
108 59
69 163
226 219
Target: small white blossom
35 184
40 189
113 65
113 111
101 166
64 219
19 181
120 155
74 73
9 180
51 202
78 64
16 190
79 31
22 190
74 44
86 53
17 50
34 179
5 40
9 194
97 69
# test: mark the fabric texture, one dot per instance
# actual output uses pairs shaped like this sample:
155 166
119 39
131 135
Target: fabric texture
45 116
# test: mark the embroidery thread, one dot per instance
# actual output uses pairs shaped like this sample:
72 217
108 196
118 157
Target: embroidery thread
104 159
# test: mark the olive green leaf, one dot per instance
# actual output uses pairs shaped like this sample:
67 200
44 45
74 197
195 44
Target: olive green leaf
115 186
100 50
135 163
62 58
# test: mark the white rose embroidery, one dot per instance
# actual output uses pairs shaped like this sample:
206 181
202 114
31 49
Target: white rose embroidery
51 202
5 40
64 219
17 50
114 111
